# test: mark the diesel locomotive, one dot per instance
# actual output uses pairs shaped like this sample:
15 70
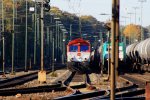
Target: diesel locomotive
78 55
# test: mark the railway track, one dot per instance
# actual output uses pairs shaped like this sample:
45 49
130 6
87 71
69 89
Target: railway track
139 79
18 80
76 78
73 92
40 89
124 92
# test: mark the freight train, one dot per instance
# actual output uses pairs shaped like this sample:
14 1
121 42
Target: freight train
106 48
78 55
101 55
138 54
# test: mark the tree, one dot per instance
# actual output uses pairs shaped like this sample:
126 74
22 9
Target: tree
132 31
56 11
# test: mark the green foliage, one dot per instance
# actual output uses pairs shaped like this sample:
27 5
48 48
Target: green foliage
89 26
132 31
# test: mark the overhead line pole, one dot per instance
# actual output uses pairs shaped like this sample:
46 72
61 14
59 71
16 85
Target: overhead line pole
114 30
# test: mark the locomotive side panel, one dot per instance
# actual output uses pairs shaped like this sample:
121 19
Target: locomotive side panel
105 55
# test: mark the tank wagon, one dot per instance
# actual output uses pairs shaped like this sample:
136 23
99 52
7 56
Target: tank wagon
139 55
78 55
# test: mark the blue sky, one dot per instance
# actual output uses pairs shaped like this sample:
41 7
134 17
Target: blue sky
96 7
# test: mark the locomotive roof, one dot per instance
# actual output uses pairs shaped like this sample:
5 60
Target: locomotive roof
79 40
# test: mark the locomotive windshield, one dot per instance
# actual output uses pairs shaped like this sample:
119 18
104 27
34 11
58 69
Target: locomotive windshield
73 48
84 48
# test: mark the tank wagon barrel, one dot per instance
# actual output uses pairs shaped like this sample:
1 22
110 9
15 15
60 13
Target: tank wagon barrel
130 51
139 52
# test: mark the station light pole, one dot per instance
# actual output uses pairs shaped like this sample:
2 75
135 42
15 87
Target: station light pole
102 60
47 45
63 45
108 27
142 1
135 8
53 55
125 25
63 57
80 27
35 28
70 32
42 35
130 13
56 37
56 44
13 33
3 38
26 35
61 42
125 21
104 14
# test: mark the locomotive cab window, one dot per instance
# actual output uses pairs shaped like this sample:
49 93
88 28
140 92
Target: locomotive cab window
73 48
84 48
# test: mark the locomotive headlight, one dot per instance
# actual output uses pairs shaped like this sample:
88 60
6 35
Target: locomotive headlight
85 59
71 59
121 59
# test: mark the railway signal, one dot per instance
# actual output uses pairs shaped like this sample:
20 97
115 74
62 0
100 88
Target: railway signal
46 7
